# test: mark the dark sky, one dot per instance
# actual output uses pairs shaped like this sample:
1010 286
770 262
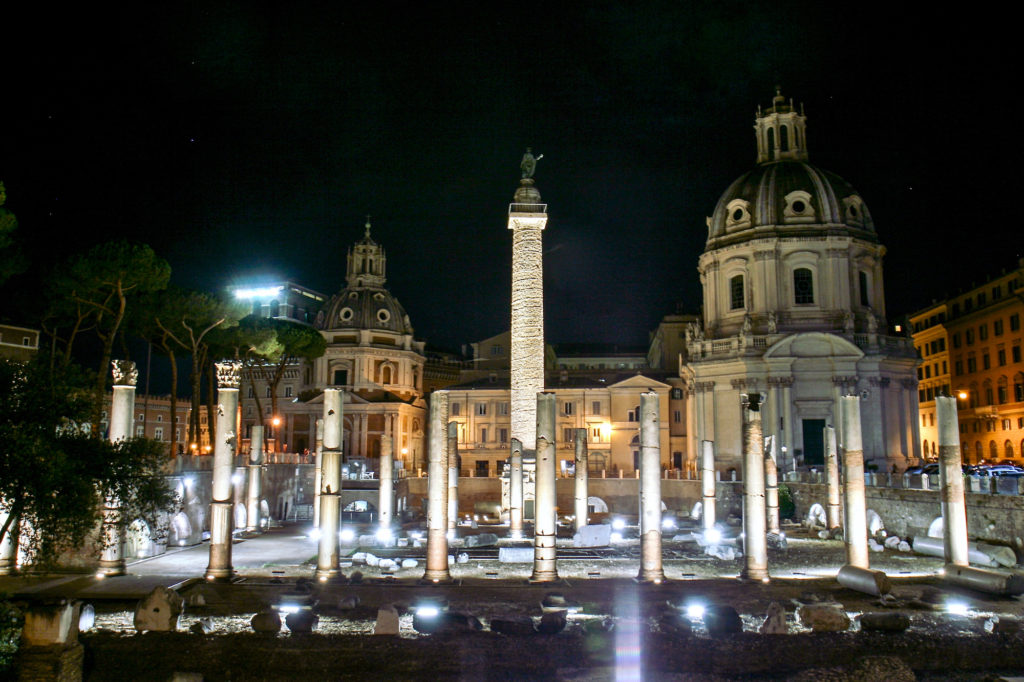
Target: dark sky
240 141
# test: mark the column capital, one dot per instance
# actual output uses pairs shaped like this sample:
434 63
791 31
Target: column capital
229 373
125 372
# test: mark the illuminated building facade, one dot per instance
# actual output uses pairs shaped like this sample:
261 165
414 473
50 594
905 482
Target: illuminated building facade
794 308
980 330
281 300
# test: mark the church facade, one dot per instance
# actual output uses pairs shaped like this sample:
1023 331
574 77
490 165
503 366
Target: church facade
794 309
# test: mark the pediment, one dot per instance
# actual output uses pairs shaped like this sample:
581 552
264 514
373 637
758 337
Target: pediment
639 381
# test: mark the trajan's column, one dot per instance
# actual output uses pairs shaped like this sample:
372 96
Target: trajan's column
527 217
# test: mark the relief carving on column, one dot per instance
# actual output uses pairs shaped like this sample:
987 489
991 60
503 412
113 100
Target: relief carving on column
125 372
229 373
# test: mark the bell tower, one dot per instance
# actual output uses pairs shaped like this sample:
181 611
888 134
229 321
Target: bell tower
781 131
367 263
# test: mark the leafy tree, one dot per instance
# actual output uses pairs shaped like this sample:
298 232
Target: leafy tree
53 474
12 261
98 286
297 342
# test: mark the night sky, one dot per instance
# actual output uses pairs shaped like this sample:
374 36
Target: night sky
243 142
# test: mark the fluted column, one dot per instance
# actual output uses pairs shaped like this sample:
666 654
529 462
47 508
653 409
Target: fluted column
650 489
544 562
221 516
755 543
122 416
255 489
951 483
771 485
580 445
437 490
330 484
515 490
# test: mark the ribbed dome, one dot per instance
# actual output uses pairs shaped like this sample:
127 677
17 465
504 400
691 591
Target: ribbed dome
788 198
361 307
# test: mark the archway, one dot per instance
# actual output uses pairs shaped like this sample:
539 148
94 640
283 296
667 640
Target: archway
138 540
181 530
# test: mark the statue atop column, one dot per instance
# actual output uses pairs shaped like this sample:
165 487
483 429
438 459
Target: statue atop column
529 163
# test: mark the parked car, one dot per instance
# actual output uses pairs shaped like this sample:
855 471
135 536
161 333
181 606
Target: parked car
998 470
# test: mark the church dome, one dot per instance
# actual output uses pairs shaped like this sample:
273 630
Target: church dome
365 303
785 195
364 307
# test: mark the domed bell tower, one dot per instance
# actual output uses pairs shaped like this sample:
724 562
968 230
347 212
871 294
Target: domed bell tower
781 131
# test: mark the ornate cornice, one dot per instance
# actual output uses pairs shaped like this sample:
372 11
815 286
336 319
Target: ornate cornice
125 373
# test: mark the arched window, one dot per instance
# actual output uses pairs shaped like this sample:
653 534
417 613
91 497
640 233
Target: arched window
1018 387
925 448
993 451
1008 450
1002 392
977 450
385 374
784 139
863 280
736 300
803 285
771 142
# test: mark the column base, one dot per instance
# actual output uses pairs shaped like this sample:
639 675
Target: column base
112 568
219 575
545 563
651 576
434 576
755 575
325 574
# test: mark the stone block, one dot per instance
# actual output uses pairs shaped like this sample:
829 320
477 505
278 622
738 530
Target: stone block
824 617
302 622
593 535
513 625
481 540
885 621
49 624
159 611
515 555
552 622
775 620
722 620
267 622
387 621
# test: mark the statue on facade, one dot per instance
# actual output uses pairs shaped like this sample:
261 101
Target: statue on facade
848 322
773 322
529 163
872 323
747 325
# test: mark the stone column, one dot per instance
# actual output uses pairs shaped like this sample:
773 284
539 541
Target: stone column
221 515
9 544
951 483
122 416
832 474
545 567
515 490
787 412
453 466
707 475
387 488
856 528
771 485
255 490
527 218
580 443
755 544
650 489
318 452
330 482
437 491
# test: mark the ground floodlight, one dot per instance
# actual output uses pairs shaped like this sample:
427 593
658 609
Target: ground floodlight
668 523
315 534
695 611
712 536
384 534
616 537
346 535
956 608
618 524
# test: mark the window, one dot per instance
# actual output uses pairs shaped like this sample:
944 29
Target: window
1006 425
140 431
863 278
483 434
1015 322
986 362
158 433
568 435
595 434
341 377
1015 353
989 395
287 391
969 337
1001 357
503 435
997 292
972 364
502 409
956 340
142 417
1003 395
496 350
456 409
634 414
803 286
736 292
596 407
928 372
958 367
982 332
981 300
481 409
677 416
567 408
997 328
1018 388
677 394
268 392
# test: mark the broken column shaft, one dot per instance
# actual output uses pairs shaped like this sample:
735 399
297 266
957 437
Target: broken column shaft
330 484
832 473
437 490
453 474
221 516
580 507
951 483
771 485
856 529
754 522
318 453
255 489
122 415
545 524
387 487
650 490
707 475
515 490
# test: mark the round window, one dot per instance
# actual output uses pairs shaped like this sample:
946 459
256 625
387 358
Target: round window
378 296
853 211
383 315
737 215
346 314
799 207
352 294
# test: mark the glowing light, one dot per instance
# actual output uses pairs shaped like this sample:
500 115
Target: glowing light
384 534
189 481
258 292
668 524
315 534
616 537
347 535
956 608
695 611
427 612
712 536
101 575
618 524
236 478
288 608
962 395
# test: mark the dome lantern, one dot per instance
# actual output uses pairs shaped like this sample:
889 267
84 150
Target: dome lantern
366 263
781 131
